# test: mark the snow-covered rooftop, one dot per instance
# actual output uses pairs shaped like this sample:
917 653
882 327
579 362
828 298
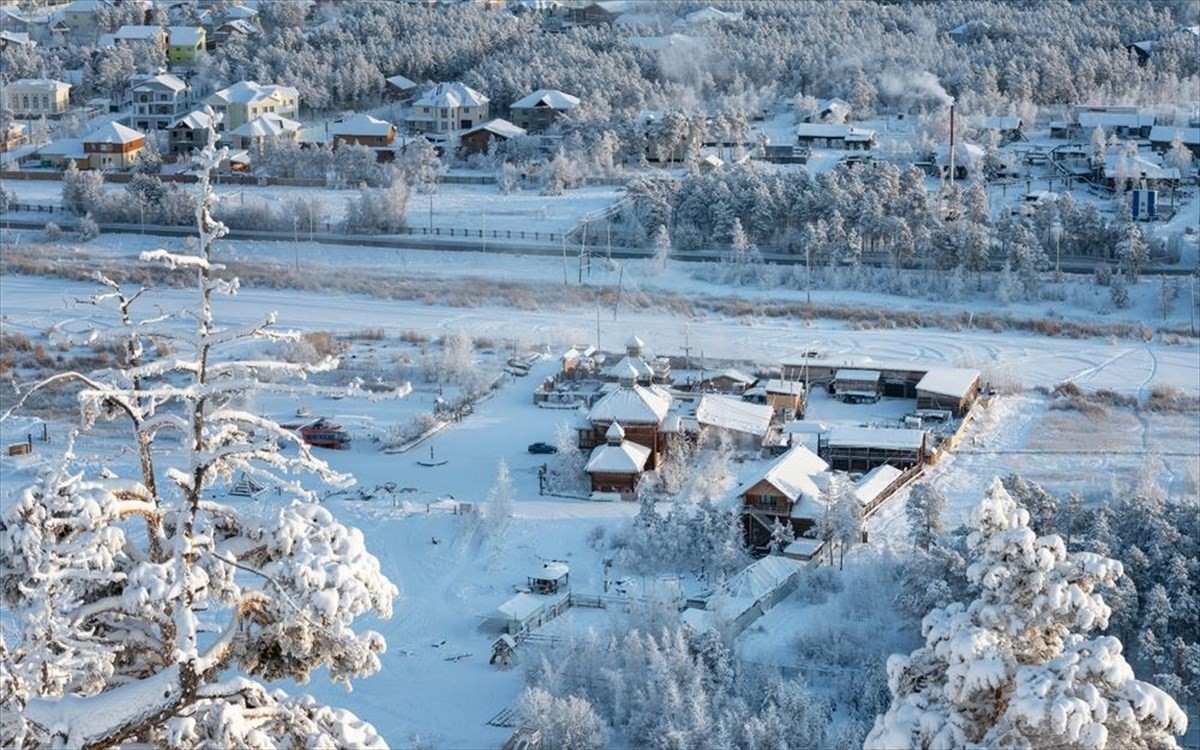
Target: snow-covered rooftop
791 474
67 148
521 607
787 387
635 404
549 98
851 374
185 35
734 414
268 125
551 571
1167 133
628 366
949 381
401 82
1115 120
361 124
1118 165
40 84
160 82
831 130
137 33
626 458
197 120
456 94
501 127
760 578
896 439
874 482
246 92
113 132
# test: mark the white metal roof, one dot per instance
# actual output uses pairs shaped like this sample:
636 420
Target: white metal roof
632 405
1116 165
138 33
734 414
67 148
626 458
870 437
1115 120
361 124
761 578
162 81
803 547
949 381
790 387
548 98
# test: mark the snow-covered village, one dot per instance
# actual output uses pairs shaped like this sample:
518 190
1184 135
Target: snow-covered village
539 374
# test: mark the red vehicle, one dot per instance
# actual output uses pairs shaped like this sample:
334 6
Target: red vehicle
325 434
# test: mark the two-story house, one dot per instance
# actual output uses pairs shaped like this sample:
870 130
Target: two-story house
34 97
82 17
112 146
155 35
538 111
158 100
190 132
446 108
246 100
185 44
254 135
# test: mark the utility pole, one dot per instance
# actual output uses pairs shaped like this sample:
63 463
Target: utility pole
564 249
296 240
808 273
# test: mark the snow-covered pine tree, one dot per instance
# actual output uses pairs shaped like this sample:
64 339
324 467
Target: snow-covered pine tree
499 510
148 612
1014 667
925 508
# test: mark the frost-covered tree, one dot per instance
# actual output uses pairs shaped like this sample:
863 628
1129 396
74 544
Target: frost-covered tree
499 510
1132 250
568 723
1015 668
162 614
566 466
81 191
925 508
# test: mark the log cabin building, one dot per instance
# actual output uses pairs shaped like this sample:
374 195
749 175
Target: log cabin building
617 465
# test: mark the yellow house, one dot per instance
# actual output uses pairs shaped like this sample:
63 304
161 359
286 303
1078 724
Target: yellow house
244 101
185 43
33 97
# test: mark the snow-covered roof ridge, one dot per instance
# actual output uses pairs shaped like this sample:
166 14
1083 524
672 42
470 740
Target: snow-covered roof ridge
500 127
874 482
161 81
630 367
550 98
196 120
179 35
361 124
113 132
269 124
626 458
49 84
456 94
893 438
634 404
246 92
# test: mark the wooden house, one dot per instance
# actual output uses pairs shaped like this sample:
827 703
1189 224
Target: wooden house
786 491
617 465
1162 136
640 410
836 136
477 140
780 395
729 381
634 365
864 448
399 88
745 424
190 132
950 388
856 386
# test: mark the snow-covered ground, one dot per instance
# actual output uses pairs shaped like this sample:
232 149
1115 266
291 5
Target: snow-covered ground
450 578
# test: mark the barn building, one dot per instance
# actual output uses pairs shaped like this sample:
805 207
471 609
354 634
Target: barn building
857 386
952 389
864 448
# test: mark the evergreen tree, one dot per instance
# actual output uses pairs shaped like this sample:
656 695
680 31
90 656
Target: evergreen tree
926 507
1014 667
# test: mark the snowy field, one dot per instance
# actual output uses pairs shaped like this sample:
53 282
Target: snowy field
450 578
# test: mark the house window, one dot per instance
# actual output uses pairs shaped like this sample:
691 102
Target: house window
24 102
445 112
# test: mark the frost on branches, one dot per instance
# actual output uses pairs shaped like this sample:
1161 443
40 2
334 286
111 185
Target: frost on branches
147 612
1014 668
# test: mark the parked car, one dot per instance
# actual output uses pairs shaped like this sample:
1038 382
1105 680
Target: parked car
542 448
